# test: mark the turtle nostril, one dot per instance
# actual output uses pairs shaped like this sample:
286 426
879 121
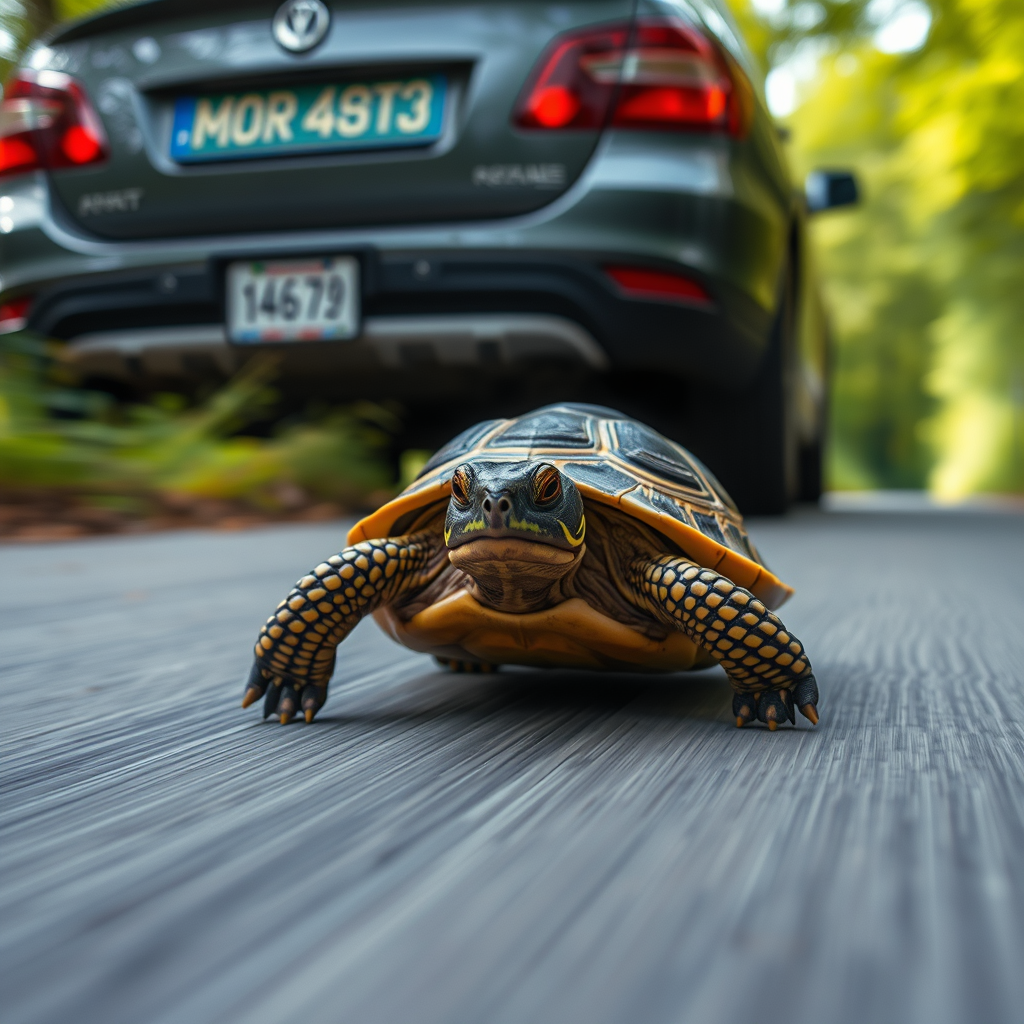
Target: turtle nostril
487 504
504 505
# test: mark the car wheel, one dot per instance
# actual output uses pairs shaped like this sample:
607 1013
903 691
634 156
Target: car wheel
764 458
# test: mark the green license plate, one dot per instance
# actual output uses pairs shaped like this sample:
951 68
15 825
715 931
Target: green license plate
308 119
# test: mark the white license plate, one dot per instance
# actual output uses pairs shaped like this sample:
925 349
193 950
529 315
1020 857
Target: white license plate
293 300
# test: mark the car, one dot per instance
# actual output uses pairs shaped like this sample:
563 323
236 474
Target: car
468 207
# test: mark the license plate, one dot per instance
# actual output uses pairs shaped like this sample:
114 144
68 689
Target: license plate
308 119
293 300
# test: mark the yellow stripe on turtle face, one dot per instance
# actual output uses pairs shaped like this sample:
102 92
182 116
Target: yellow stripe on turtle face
476 524
523 524
574 541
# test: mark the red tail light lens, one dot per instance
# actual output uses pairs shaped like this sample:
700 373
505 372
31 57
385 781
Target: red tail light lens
47 122
561 94
14 314
659 75
642 283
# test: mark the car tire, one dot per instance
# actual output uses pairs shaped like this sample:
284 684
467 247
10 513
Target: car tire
763 456
812 472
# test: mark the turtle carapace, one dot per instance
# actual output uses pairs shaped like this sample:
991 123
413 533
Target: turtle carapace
572 536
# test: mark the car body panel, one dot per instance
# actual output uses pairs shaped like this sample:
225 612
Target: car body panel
485 52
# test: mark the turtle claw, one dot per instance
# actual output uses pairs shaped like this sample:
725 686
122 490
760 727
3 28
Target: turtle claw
287 704
273 696
313 698
805 696
254 685
774 707
744 707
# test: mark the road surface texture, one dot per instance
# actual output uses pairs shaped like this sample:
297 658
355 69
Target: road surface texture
523 847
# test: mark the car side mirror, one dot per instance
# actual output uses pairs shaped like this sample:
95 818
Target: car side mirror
826 190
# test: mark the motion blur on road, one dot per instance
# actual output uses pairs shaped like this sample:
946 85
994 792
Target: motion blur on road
524 846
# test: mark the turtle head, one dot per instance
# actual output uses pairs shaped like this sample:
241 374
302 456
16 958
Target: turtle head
516 529
527 501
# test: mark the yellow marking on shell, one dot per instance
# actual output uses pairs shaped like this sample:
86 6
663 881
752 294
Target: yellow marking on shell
578 539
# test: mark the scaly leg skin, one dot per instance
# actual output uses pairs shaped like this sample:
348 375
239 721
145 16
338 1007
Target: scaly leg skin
296 647
764 661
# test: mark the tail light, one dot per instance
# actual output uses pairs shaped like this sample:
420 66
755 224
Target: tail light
14 314
47 122
657 75
642 283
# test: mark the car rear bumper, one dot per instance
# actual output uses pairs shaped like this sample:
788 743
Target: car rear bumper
419 309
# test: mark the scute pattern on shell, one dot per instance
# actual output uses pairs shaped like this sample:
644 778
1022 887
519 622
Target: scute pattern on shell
603 451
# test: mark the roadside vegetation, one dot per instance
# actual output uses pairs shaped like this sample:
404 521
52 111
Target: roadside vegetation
925 100
75 461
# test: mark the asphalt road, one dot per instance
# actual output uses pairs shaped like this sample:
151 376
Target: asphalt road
524 847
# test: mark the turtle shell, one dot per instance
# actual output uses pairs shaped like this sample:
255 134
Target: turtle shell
613 460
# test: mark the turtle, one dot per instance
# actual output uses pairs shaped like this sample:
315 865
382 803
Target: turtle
572 536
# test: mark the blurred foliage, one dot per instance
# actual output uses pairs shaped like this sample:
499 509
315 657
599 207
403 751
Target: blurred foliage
54 436
925 281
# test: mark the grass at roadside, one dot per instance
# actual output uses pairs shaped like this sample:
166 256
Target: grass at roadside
75 462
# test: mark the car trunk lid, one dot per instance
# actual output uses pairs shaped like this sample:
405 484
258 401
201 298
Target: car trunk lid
214 127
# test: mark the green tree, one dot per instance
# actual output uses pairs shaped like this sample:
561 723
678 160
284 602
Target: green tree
925 281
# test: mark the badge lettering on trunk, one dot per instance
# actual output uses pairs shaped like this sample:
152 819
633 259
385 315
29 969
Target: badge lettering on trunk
300 24
519 175
124 200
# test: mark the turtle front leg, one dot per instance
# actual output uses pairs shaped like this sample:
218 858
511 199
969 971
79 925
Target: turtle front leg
764 661
296 647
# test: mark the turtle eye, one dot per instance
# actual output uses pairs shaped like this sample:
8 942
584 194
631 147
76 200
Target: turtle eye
547 485
460 487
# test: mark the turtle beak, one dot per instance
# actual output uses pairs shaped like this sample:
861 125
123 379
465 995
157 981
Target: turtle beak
496 508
